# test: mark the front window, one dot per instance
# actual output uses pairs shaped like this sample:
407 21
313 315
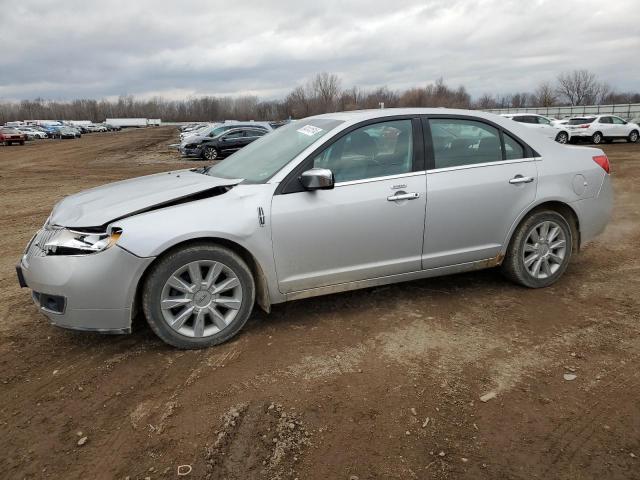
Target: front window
377 150
262 159
618 121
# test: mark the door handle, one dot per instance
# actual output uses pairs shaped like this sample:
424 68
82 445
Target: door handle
520 179
403 196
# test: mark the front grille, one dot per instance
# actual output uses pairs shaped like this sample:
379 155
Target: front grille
36 247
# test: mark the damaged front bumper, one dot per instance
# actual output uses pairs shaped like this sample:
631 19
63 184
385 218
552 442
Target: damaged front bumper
93 292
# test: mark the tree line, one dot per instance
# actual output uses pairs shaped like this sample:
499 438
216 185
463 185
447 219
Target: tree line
323 93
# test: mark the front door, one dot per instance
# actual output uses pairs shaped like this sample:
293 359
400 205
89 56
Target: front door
370 225
231 141
479 184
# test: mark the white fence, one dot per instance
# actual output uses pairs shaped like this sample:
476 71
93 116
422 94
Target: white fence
624 110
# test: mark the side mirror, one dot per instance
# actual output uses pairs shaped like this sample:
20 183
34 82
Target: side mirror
317 179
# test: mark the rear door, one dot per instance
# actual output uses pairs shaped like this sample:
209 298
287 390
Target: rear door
479 180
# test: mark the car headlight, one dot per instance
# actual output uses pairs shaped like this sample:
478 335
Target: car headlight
73 242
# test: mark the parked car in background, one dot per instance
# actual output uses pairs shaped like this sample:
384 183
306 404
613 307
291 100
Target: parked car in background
543 125
65 132
9 136
203 135
603 128
224 144
327 204
31 133
200 130
192 126
50 130
76 129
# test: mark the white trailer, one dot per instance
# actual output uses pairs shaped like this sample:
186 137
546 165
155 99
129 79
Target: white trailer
126 122
154 122
80 122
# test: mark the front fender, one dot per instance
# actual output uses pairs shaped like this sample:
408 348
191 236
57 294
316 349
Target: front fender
231 216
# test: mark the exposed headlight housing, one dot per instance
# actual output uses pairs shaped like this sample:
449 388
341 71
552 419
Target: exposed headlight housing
74 242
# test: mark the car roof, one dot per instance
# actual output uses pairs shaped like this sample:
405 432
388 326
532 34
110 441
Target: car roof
518 114
355 116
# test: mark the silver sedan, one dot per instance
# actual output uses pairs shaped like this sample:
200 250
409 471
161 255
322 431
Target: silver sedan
330 203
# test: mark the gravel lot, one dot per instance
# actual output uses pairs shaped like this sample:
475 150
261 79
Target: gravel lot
377 383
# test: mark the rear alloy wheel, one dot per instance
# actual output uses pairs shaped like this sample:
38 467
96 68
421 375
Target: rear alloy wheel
198 296
596 138
211 153
562 137
633 137
540 250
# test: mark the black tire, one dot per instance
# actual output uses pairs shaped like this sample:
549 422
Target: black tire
513 266
167 265
562 138
21 142
210 153
597 138
633 137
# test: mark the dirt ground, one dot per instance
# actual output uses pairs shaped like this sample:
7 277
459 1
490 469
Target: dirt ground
378 383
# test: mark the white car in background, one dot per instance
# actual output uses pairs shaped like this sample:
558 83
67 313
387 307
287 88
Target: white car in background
544 125
31 132
603 128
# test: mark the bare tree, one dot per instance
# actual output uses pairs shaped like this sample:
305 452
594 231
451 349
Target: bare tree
298 103
545 96
486 101
321 94
325 88
581 87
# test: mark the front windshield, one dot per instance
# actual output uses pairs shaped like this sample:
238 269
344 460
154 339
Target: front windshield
260 160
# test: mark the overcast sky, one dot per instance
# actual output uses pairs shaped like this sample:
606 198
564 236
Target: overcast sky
65 49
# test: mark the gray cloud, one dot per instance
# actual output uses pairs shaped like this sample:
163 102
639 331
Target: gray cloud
71 49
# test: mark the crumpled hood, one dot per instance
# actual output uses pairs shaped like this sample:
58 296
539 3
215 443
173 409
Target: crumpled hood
101 205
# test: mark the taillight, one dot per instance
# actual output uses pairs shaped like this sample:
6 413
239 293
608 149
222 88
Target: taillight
603 161
586 125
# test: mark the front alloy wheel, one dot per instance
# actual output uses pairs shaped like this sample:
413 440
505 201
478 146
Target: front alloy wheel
211 153
198 296
201 298
633 137
562 137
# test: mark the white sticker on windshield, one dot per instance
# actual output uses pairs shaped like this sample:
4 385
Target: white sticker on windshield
309 130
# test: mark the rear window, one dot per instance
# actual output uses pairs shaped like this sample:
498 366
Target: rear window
580 121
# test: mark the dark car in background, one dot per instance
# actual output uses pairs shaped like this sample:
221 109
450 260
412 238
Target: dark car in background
224 144
9 136
65 132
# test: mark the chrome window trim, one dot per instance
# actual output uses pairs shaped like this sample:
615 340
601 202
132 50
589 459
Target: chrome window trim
379 179
485 164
